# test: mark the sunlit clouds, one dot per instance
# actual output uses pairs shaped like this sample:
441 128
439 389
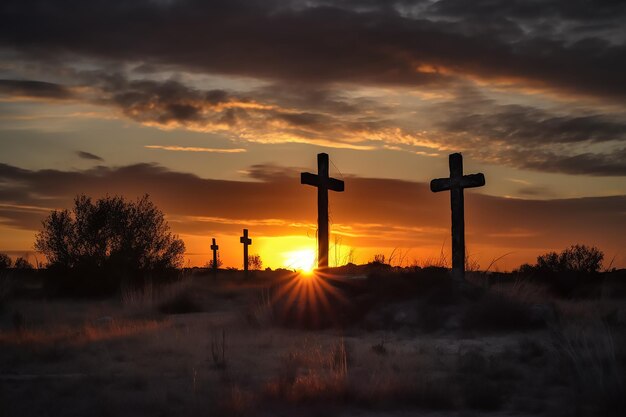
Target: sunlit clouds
215 114
193 149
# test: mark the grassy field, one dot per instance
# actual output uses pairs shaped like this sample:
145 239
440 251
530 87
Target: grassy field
384 343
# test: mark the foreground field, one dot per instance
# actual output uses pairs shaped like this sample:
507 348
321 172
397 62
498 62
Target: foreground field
230 345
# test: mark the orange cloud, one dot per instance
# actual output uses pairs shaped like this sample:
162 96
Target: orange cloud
193 149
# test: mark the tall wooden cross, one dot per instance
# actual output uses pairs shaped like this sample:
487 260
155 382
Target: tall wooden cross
456 183
214 248
323 183
246 241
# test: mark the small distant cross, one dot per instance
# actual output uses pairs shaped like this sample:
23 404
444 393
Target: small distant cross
323 183
214 248
246 241
456 183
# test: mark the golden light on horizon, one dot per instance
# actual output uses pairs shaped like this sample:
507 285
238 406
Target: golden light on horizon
302 260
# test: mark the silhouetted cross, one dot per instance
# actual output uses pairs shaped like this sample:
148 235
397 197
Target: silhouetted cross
323 183
456 183
244 239
214 248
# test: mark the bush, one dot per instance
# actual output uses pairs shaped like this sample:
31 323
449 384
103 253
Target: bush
5 261
98 244
22 263
577 258
573 272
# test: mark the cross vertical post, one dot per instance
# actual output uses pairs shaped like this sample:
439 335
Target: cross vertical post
246 241
455 184
214 248
323 183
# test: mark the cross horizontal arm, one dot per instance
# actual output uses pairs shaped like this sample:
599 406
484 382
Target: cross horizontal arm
335 185
309 179
440 184
472 180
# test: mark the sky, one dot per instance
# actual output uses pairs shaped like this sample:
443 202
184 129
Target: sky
214 108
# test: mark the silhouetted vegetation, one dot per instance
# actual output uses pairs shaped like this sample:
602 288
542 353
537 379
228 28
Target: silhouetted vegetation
96 245
5 261
255 262
573 271
577 258
210 265
22 263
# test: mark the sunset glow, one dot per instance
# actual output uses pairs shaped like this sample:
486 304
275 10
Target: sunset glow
216 129
300 260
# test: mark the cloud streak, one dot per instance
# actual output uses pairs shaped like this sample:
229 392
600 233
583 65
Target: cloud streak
194 149
89 156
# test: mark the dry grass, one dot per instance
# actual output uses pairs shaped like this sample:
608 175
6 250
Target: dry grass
216 363
260 313
6 287
587 354
105 329
523 291
312 372
150 296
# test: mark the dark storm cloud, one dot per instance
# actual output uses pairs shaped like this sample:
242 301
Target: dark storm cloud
199 205
358 42
583 10
89 156
529 126
34 89
572 141
601 164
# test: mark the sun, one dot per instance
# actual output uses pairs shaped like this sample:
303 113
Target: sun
301 260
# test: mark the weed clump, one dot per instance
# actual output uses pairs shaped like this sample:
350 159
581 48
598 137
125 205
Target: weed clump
182 303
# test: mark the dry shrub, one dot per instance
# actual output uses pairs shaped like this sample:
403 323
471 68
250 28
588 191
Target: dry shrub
312 373
169 298
316 374
138 297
